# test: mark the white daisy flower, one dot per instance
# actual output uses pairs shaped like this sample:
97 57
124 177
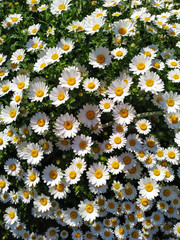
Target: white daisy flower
3 73
119 128
60 190
128 160
100 57
57 6
9 113
79 163
140 64
20 83
174 75
167 193
119 53
41 64
38 91
58 95
3 140
91 84
129 192
63 144
82 145
12 166
120 232
71 217
99 13
15 18
107 147
51 175
177 138
170 102
31 177
172 63
72 175
40 123
33 44
88 210
114 165
150 161
70 78
18 56
106 105
33 153
176 229
4 184
151 144
158 64
33 29
117 140
42 203
66 45
143 126
157 173
134 143
169 174
42 8
53 54
173 119
148 188
122 27
172 155
10 216
2 58
118 90
124 113
94 25
16 98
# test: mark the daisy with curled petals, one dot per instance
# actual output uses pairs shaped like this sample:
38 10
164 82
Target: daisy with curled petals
66 126
71 217
60 190
148 188
72 175
9 113
70 77
51 175
59 95
174 75
57 6
18 56
88 210
117 140
38 91
4 184
140 64
33 153
31 177
66 45
97 174
170 102
82 145
143 126
106 105
94 25
89 115
42 203
91 84
3 140
150 81
172 155
12 166
124 113
122 27
20 83
118 90
173 119
53 54
114 165
158 64
40 123
100 57
119 53
10 216
41 64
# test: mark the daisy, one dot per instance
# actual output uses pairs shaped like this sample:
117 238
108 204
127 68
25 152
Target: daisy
157 173
31 177
172 155
41 64
38 91
57 6
150 161
118 90
99 13
100 57
173 120
33 44
143 126
20 83
79 163
176 229
71 217
140 64
33 153
3 73
50 31
66 126
150 81
107 234
2 58
97 174
63 144
122 27
94 25
60 190
114 165
148 188
42 203
106 105
91 84
172 63
33 29
66 45
119 128
9 113
107 147
77 234
134 143
177 138
117 140
98 190
42 8
143 203
59 95
119 53
158 64
151 144
40 123
127 159
169 174
51 175
53 54
174 75
12 166
88 210
25 195
170 102
3 140
72 175
124 113
10 216
18 56
120 232
89 115
70 78
16 98
46 145
147 17
15 18
129 192
4 184
134 172
110 3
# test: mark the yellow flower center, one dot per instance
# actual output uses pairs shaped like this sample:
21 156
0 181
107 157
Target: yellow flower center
115 165
12 113
173 119
39 93
128 191
99 15
43 201
171 154
83 145
122 31
90 115
100 59
107 233
71 81
149 187
117 140
53 174
73 215
121 231
46 146
156 65
147 18
96 150
61 6
42 65
61 96
65 47
77 235
127 160
34 45
89 208
148 160
170 102
1 141
96 27
54 56
143 126
32 177
147 53
149 82
52 233
2 184
21 85
17 98
132 170
160 153
176 76
41 122
124 113
64 142
107 105
97 227
116 186
173 64
10 133
72 174
134 234
119 53
141 154
2 73
68 125
98 174
140 66
34 153
108 146
91 85
156 172
12 166
5 88
26 194
127 206
11 215
119 91
132 142
79 165
19 57
168 174
150 143
60 187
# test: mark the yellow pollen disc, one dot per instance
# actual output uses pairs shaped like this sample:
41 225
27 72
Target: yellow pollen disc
43 201
1 141
156 217
79 165
134 234
168 174
61 6
17 98
132 170
34 153
64 142
90 115
149 82
128 191
1 59
41 122
11 215
173 119
60 187
116 186
10 133
2 73
96 27
53 174
26 235
46 146
170 210
132 142
164 164
21 85
171 154
117 140
107 233
100 59
91 85
100 202
176 76
26 194
52 233
96 150
143 126
71 81
97 227
89 208
19 57
141 154
121 231
98 174
127 206
12 113
72 174
140 66
118 40
73 215
39 93
139 215
150 143
147 18
127 160
68 125
119 128
2 184
115 165
156 172
156 65
12 166
65 47
82 145
5 88
108 146
119 53
34 45
32 177
148 160
54 56
162 205
160 153
61 96
99 15
149 187
42 65
122 31
170 102
174 64
107 105
147 53
124 113
119 91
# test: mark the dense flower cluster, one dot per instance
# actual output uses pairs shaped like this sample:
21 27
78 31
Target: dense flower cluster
90 119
